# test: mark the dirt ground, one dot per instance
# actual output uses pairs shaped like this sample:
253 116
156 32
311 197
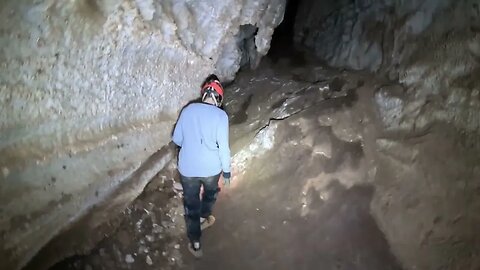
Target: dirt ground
308 192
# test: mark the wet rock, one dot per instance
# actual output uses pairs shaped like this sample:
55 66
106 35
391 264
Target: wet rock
148 260
263 141
348 128
324 89
177 186
149 238
129 258
142 249
390 107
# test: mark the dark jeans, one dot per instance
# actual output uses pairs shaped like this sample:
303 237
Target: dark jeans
194 207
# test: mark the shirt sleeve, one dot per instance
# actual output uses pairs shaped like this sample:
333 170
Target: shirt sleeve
223 143
177 137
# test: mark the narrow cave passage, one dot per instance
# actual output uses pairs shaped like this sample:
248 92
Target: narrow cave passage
282 43
353 145
301 200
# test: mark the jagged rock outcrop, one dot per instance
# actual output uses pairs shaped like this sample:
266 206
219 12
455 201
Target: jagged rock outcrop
89 89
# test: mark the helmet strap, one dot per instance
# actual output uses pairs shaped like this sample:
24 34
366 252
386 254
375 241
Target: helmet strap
214 98
211 94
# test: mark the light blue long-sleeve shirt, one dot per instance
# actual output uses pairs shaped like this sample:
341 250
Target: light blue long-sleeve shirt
202 134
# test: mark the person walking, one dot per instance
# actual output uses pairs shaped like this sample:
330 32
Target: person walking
202 134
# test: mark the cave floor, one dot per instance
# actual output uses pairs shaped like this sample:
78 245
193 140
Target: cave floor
305 187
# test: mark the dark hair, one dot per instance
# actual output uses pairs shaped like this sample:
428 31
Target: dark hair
210 78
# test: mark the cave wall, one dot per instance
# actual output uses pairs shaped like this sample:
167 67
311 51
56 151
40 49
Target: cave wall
365 34
89 89
429 53
430 48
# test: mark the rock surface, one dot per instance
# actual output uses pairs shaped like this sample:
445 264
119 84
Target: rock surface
430 47
90 89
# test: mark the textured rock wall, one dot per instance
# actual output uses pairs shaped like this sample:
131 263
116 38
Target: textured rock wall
431 47
364 34
89 89
430 111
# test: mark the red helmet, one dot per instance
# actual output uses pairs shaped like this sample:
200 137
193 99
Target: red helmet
214 86
214 90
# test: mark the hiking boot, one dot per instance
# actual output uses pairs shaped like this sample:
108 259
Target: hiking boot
195 249
207 222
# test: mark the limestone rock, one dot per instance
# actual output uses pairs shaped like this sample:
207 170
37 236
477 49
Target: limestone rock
90 89
148 260
390 106
129 258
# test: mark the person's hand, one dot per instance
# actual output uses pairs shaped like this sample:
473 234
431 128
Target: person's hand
226 179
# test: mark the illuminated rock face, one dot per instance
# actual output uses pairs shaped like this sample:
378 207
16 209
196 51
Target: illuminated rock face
431 47
429 112
89 89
